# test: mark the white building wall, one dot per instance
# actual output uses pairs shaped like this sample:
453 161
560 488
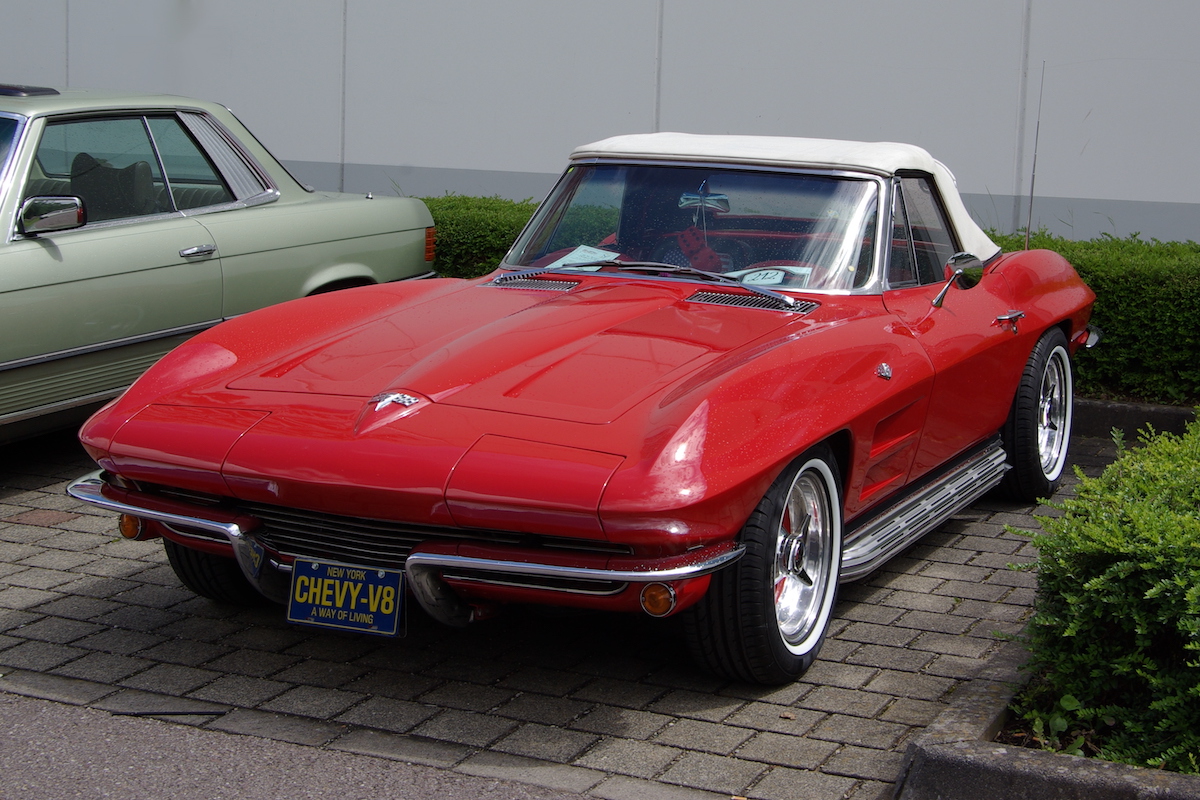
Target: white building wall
489 97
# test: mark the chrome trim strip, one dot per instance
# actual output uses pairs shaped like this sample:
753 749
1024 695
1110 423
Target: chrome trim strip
10 181
900 525
62 405
112 344
217 536
108 223
418 561
517 583
89 490
421 568
249 554
262 198
444 605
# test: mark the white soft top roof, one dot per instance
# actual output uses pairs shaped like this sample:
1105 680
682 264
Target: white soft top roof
881 158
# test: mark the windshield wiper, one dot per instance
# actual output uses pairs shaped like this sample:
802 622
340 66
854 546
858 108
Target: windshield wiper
658 266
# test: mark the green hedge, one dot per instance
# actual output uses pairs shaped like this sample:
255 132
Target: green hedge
474 233
1147 305
1115 635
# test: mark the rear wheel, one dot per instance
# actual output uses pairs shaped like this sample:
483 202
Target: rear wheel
764 619
211 576
1038 430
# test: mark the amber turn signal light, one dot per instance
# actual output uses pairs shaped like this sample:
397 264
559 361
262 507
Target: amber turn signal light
131 527
430 244
135 528
658 599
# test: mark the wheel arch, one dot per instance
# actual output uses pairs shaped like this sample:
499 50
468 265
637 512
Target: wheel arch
338 276
841 444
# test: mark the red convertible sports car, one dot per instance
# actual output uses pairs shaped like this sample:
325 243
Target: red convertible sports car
715 376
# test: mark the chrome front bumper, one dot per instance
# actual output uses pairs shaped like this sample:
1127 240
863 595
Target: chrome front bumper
422 570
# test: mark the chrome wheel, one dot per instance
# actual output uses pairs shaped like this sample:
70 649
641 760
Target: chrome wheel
803 556
1054 413
1038 430
763 619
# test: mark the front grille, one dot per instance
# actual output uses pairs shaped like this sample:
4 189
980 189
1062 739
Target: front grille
370 542
353 540
753 301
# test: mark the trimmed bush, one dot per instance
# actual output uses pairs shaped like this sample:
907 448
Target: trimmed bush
1116 631
474 233
1147 305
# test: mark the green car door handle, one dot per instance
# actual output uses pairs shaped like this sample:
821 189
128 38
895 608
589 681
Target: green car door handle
198 250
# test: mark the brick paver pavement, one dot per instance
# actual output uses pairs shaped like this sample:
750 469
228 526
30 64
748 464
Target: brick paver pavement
608 706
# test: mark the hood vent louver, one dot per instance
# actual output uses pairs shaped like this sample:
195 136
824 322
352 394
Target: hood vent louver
753 301
543 284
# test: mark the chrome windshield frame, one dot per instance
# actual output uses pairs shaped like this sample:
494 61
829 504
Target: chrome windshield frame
874 285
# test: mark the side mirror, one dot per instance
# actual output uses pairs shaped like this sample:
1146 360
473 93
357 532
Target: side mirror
941 296
967 262
50 214
968 265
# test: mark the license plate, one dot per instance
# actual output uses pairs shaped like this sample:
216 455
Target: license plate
345 597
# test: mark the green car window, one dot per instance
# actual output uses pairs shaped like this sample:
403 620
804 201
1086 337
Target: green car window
192 179
110 163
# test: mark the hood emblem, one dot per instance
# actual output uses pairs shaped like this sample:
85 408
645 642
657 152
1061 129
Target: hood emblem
386 408
382 401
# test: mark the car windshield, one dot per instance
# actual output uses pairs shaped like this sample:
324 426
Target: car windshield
771 229
8 135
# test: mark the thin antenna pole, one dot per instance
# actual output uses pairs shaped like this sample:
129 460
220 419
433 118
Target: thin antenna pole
1037 132
658 69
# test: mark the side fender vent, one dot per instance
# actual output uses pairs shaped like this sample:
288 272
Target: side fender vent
753 301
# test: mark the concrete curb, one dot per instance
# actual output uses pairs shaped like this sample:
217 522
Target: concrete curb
955 757
1099 417
980 769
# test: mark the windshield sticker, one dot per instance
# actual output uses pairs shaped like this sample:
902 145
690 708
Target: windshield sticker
583 255
775 276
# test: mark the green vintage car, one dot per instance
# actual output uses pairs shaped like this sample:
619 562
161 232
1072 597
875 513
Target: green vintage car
132 222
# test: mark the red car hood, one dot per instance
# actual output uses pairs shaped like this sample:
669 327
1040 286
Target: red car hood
584 356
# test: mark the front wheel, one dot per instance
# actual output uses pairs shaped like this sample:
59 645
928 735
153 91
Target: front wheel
211 576
1038 430
764 619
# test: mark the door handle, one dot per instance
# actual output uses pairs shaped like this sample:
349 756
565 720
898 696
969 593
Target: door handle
198 250
1010 319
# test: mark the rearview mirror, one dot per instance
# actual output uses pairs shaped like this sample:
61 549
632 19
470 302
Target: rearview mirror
716 202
